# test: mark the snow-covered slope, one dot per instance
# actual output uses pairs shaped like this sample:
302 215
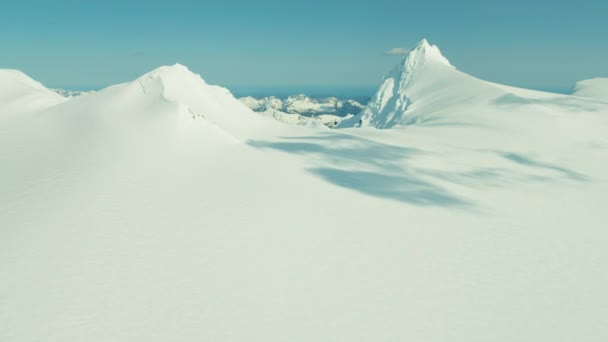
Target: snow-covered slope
304 105
163 209
184 96
596 88
426 89
18 92
179 86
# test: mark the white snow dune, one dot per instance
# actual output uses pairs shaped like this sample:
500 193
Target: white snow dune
165 210
596 88
20 93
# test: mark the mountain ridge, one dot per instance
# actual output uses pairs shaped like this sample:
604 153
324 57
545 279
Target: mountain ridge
425 88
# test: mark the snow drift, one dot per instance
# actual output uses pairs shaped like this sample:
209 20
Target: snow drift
19 93
596 88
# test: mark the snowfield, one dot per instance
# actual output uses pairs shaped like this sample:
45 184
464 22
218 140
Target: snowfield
164 209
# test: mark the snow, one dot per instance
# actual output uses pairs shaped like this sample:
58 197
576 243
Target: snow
71 93
263 104
19 92
319 121
164 209
304 105
596 88
425 89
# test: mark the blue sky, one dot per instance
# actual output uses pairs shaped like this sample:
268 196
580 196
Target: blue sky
76 43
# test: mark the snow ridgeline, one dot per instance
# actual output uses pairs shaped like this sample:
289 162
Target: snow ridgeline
414 92
426 89
596 88
298 110
19 92
71 93
172 92
303 110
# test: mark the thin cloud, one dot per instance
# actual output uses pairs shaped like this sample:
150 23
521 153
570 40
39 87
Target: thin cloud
397 51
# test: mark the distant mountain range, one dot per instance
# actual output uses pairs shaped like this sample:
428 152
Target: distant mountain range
425 89
304 110
304 105
71 93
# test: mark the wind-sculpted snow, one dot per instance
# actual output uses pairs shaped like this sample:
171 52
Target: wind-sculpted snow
20 93
163 209
366 166
388 171
596 88
425 88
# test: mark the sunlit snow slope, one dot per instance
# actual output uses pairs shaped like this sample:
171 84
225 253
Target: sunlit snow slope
596 88
163 209
425 89
20 93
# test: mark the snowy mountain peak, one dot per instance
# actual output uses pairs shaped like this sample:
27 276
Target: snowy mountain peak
170 69
174 75
20 91
422 72
424 45
423 53
178 84
423 56
18 78
191 97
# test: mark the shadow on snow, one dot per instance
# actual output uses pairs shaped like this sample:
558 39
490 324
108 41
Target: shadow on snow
382 170
366 166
